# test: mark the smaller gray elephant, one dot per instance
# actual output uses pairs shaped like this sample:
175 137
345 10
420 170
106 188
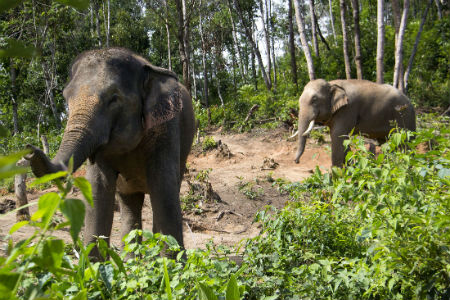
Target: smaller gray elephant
369 108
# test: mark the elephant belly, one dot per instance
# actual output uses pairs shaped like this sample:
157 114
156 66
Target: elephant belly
131 185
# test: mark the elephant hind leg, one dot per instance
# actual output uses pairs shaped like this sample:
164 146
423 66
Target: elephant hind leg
130 212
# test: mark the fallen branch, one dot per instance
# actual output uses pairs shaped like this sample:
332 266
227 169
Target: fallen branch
249 115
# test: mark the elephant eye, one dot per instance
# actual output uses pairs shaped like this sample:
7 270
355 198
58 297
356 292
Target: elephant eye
113 99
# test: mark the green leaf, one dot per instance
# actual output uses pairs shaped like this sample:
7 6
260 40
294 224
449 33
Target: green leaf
50 254
78 4
47 178
8 166
8 281
232 289
16 48
81 295
117 260
3 130
205 292
85 188
74 210
167 281
444 172
106 274
46 207
17 226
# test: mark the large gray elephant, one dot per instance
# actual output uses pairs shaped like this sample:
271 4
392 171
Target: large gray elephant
342 105
134 123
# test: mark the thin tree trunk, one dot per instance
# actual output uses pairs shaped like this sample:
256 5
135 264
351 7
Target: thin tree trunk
97 22
205 71
13 75
332 22
358 58
254 46
324 41
397 17
398 78
166 23
106 21
20 190
272 37
236 47
301 29
182 36
345 40
266 37
416 44
194 81
255 78
380 42
292 46
313 28
439 9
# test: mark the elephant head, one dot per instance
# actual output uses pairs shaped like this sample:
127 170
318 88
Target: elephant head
114 97
318 102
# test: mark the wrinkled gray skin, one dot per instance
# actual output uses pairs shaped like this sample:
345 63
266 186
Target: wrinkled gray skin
370 108
134 123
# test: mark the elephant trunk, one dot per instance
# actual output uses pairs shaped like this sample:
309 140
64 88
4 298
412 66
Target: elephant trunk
303 131
79 141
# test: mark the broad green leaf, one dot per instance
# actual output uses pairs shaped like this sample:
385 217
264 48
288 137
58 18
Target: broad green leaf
81 295
106 274
78 4
232 289
444 172
16 48
8 166
85 188
17 226
117 260
47 178
8 281
3 131
46 207
74 210
205 292
50 254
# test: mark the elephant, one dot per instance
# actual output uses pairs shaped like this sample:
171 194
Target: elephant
367 107
134 124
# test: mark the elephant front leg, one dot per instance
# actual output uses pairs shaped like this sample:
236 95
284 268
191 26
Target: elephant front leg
130 212
98 220
164 185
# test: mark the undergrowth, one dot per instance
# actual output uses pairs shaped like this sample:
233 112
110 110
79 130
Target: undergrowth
376 229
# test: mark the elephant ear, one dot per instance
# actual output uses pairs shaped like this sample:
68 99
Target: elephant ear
162 96
339 98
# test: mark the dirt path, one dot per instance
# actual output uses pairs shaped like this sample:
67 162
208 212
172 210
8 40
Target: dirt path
241 181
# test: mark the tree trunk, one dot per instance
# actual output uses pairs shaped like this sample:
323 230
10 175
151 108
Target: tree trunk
313 28
292 46
265 25
205 71
416 44
358 58
166 23
255 78
398 78
106 21
439 9
301 29
345 40
20 190
236 47
380 42
272 37
183 42
97 22
324 41
194 81
397 17
13 75
332 22
255 49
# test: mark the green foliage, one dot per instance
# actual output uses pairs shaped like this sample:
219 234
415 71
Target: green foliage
250 189
208 143
377 229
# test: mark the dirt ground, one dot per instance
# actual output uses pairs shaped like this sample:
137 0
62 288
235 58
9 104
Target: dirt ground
239 177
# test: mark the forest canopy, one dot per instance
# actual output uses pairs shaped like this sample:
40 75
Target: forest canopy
231 54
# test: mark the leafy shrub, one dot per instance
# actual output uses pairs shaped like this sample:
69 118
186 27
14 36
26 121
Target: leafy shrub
208 143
